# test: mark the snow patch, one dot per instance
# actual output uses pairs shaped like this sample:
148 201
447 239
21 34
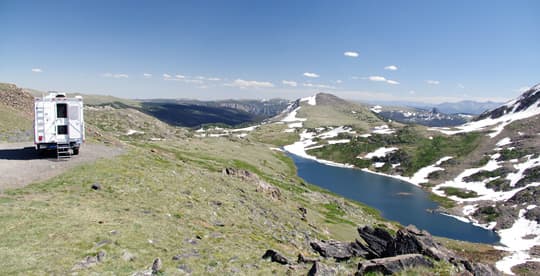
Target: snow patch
310 100
376 109
515 241
342 141
384 129
504 142
380 152
132 131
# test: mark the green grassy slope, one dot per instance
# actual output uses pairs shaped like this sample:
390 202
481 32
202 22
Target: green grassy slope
170 198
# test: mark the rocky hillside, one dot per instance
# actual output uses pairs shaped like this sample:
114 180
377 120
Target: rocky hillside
16 114
191 113
484 171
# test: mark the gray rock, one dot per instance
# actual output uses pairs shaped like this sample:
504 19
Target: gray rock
274 256
101 256
143 273
127 256
478 269
533 214
391 265
185 268
90 261
320 269
157 266
340 251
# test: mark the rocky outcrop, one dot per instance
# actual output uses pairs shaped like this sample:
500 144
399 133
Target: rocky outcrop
410 240
11 95
391 265
262 186
340 251
387 254
377 241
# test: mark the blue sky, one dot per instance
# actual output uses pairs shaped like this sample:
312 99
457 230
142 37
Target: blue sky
439 50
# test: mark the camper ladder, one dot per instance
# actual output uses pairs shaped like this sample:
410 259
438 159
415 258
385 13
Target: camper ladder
40 120
63 151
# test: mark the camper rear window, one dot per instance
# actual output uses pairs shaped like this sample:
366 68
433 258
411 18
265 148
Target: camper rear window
61 110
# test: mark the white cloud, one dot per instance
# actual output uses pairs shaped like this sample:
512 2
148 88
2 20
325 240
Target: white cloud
339 81
167 76
180 76
37 70
289 83
433 82
310 75
376 78
459 85
391 68
412 92
351 54
381 79
116 76
321 86
146 75
250 84
213 79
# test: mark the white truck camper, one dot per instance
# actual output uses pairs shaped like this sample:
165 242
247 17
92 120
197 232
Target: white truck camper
59 124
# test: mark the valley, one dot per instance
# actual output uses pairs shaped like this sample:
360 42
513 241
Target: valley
215 198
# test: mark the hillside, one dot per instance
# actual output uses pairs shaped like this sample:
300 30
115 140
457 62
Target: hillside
16 114
188 205
200 205
484 171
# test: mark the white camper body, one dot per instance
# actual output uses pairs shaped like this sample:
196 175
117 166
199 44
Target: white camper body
58 123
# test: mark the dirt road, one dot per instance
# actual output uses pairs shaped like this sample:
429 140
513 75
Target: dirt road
20 164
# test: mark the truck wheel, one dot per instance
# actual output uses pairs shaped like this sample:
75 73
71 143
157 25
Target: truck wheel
75 151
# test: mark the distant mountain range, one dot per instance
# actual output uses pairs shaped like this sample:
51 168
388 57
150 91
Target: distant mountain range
462 107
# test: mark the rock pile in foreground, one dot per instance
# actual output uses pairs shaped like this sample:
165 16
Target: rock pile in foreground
387 254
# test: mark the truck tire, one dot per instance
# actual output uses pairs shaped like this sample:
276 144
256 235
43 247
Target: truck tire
75 151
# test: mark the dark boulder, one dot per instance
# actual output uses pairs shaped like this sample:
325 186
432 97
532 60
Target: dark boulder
338 250
275 257
96 186
377 241
410 240
391 265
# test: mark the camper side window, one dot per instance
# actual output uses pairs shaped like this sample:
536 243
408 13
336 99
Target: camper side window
61 110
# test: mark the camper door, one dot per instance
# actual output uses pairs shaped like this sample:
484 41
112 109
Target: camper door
75 121
62 122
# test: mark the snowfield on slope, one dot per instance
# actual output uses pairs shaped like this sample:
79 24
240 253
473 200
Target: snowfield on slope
499 123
